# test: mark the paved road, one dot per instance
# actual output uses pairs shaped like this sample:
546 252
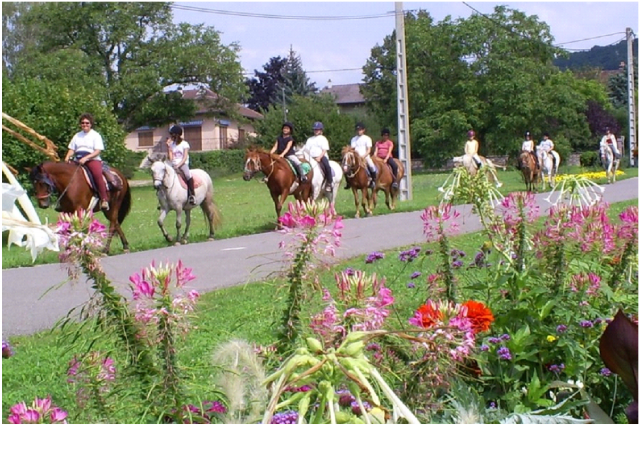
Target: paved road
33 299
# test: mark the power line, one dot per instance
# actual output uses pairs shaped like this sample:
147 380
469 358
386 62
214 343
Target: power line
595 37
278 16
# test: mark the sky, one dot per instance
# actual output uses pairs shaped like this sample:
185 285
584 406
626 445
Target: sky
338 42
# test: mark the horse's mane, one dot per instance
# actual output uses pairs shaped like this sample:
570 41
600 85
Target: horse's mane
256 148
348 149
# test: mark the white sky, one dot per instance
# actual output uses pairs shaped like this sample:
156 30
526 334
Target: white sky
327 47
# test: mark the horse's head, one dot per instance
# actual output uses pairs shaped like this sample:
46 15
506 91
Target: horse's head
350 159
158 171
42 185
252 164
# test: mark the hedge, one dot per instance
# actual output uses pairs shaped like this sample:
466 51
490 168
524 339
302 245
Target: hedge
218 162
589 159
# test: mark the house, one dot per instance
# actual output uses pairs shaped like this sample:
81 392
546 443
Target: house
203 132
347 97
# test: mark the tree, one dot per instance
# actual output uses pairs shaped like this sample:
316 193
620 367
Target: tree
264 86
295 78
134 51
618 90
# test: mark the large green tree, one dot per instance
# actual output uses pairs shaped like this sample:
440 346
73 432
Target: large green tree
133 51
491 73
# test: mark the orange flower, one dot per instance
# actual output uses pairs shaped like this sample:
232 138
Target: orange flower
426 316
479 314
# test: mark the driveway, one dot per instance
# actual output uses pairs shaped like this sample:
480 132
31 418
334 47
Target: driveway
34 299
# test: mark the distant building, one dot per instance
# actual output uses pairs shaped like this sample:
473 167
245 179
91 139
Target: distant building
203 132
348 97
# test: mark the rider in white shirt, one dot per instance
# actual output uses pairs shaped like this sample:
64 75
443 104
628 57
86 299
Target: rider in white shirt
318 147
529 146
609 140
362 144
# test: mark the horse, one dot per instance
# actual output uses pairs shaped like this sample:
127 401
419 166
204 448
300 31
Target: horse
472 168
172 195
318 181
384 182
530 173
280 178
609 162
354 168
549 163
75 193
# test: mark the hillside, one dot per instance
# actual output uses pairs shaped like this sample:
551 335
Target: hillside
607 58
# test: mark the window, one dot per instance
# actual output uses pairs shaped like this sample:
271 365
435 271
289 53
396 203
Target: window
193 135
145 139
223 137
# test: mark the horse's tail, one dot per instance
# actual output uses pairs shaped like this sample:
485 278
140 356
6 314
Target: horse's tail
216 215
125 206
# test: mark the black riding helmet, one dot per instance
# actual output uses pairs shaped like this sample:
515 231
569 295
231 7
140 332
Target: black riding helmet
385 131
176 130
288 124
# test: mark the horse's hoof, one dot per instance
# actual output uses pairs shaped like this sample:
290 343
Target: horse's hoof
177 243
210 238
125 251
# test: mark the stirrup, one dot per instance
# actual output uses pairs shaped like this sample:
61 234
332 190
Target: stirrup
303 179
394 185
192 200
104 205
328 188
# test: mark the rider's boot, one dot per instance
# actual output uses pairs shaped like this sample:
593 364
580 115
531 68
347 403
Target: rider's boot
191 191
394 185
372 184
346 184
478 161
301 176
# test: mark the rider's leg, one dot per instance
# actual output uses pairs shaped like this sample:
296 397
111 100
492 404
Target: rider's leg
191 192
477 160
535 158
373 171
394 170
95 166
327 173
298 167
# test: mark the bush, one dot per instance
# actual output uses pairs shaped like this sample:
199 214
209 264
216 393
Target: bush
589 159
219 162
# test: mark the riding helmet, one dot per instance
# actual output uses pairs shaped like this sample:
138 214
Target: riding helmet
527 135
360 126
471 134
176 130
318 126
385 131
288 124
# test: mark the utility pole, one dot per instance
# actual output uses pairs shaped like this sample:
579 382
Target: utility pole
404 144
632 108
284 105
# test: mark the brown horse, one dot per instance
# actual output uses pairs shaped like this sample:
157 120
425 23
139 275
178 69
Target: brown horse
384 182
74 193
530 173
355 171
280 178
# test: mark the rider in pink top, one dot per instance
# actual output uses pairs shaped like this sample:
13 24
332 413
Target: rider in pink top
384 150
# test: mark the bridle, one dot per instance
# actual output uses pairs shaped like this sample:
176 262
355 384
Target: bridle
352 161
257 164
165 174
41 176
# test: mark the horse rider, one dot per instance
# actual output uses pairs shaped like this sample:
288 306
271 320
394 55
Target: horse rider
546 144
384 150
362 145
529 146
85 148
318 147
609 140
284 147
471 148
179 158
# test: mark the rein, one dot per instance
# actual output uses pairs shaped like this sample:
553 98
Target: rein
359 166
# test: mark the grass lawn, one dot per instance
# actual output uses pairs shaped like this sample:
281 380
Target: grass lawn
246 208
251 312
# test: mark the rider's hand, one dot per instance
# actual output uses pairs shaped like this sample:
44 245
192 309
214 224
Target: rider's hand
82 160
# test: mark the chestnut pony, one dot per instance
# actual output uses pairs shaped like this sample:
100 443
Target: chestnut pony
530 173
74 193
355 171
281 179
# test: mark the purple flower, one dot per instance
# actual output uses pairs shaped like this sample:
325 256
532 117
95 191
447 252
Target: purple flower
410 255
411 285
288 417
494 340
504 353
214 406
606 372
349 271
456 264
556 369
484 348
561 329
505 337
586 324
6 350
374 256
355 408
415 275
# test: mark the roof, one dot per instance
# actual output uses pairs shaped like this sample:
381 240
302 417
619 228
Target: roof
206 93
345 94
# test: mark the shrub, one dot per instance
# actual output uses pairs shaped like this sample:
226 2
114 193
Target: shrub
589 159
218 162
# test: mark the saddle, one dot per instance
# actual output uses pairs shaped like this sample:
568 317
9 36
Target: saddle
88 176
306 167
197 181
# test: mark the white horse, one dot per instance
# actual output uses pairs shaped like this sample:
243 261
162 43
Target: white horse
318 181
609 162
172 195
472 168
549 163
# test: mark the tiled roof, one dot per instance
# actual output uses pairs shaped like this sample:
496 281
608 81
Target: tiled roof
345 94
195 94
